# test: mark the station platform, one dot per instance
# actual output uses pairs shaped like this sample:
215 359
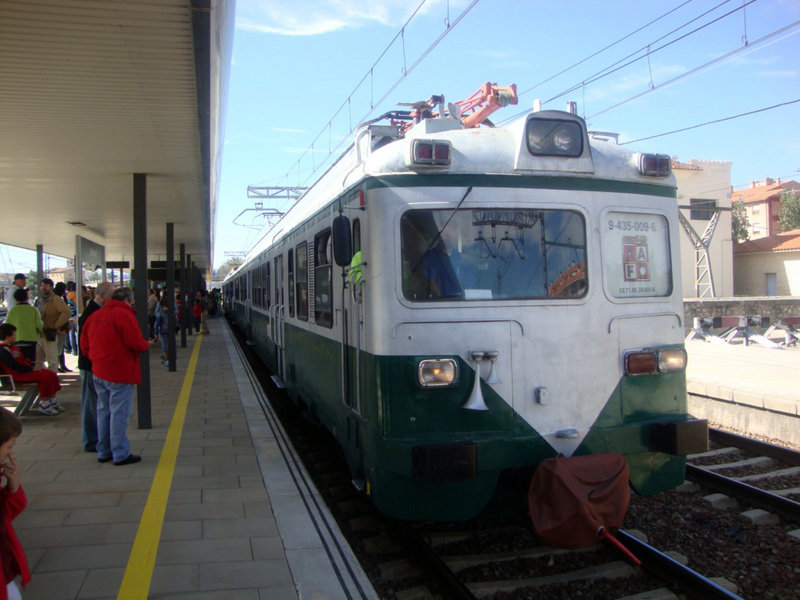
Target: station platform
219 507
750 388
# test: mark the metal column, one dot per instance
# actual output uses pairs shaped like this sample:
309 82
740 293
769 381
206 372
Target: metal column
171 349
183 295
39 263
140 285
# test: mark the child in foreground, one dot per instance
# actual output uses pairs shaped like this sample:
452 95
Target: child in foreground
12 503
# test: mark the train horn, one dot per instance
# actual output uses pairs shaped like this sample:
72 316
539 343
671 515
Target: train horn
475 400
492 378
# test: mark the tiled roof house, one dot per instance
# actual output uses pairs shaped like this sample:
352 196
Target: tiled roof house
763 205
768 266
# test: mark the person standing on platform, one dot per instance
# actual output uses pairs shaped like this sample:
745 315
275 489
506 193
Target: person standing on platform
28 322
152 302
55 314
60 290
88 392
72 334
12 503
20 281
112 340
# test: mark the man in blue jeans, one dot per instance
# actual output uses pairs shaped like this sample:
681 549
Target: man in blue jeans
88 394
112 340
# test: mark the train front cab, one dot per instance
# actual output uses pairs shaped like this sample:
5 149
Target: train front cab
423 455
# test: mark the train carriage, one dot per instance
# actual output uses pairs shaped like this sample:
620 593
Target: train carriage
452 302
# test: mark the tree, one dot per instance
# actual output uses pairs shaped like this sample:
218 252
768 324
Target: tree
790 210
228 266
32 282
739 223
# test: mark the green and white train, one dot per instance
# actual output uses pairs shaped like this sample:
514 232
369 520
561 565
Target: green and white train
452 303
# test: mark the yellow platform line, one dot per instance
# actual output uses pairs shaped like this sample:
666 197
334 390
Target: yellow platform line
142 560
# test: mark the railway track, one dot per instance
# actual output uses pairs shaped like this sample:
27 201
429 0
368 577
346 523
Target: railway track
757 474
496 555
538 571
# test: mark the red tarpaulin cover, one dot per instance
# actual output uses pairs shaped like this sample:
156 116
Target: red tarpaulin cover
571 499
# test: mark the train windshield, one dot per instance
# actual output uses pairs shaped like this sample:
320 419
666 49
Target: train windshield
493 254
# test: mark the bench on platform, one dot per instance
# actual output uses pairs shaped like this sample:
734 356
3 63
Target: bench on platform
18 397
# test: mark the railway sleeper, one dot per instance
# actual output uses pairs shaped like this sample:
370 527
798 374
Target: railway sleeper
761 476
758 461
613 570
657 594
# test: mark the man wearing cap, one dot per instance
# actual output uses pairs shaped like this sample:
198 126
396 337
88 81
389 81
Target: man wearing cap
19 284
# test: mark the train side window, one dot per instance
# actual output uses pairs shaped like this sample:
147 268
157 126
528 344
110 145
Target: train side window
267 286
323 292
290 280
301 285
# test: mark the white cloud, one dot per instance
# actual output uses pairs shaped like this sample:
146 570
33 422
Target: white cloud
314 17
778 74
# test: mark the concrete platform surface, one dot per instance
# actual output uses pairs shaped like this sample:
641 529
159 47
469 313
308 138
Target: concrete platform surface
729 370
195 519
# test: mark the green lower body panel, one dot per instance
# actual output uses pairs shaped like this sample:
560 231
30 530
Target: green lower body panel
410 499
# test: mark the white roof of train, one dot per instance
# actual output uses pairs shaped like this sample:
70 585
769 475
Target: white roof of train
483 150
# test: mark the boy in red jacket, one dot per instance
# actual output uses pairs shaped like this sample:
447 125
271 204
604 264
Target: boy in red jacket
14 362
12 503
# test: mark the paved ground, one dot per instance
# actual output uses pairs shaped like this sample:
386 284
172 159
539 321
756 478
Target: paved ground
729 370
222 535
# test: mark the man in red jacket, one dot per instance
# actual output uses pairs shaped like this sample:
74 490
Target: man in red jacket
112 340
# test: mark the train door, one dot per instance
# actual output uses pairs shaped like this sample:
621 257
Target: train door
278 318
354 325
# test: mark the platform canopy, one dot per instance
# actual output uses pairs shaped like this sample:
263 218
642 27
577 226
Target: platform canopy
93 91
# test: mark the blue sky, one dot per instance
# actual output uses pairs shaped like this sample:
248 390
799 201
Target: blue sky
295 64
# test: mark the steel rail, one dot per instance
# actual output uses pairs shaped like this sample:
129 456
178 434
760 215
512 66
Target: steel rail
786 455
667 569
452 587
784 507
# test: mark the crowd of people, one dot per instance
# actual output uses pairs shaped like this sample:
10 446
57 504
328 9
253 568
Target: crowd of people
105 336
36 335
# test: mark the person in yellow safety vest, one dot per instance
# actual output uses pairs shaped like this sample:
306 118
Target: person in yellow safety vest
356 275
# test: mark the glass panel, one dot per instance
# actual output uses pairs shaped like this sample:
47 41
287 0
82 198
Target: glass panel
323 299
493 254
301 264
290 281
266 285
702 210
636 258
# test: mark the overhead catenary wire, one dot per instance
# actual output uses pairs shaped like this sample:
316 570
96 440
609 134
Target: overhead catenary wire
607 47
647 49
405 71
620 64
788 30
744 114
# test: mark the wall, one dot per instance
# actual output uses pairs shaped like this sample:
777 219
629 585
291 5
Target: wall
751 269
712 181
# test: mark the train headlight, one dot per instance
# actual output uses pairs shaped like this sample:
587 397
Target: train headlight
554 137
671 360
649 362
437 372
654 165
